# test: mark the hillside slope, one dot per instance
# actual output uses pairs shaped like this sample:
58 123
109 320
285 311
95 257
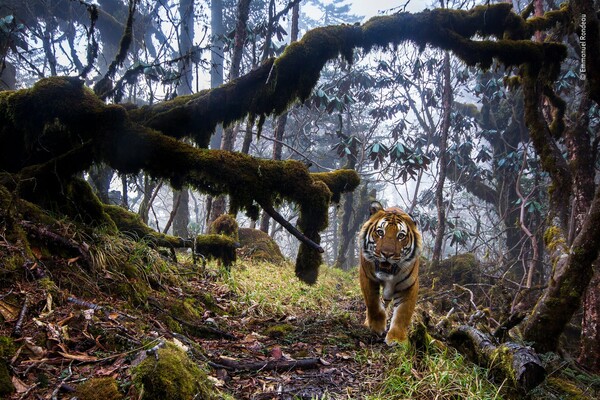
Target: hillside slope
132 325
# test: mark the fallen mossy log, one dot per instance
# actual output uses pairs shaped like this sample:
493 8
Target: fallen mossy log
218 247
517 364
131 224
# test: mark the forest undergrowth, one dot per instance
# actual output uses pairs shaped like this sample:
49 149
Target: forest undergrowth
132 325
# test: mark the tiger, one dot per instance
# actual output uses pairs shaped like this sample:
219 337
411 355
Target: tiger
390 249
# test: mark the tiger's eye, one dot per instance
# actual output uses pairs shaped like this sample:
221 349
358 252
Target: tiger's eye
401 236
380 232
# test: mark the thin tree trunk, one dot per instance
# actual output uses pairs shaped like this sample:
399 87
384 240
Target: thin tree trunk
181 198
100 177
282 120
219 204
216 79
439 192
241 29
216 58
151 187
181 219
125 197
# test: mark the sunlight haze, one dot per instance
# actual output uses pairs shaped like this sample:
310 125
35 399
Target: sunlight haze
370 9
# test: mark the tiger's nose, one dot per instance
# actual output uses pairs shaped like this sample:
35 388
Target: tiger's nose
387 254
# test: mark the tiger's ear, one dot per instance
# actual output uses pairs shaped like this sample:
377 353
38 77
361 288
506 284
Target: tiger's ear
374 207
414 219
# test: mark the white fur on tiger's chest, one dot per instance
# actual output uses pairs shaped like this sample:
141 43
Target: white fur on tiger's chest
388 289
389 282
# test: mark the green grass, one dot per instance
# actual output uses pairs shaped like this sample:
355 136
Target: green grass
274 289
439 373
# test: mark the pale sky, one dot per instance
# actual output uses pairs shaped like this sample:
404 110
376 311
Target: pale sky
371 8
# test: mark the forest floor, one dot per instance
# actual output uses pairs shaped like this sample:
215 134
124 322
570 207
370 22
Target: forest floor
256 330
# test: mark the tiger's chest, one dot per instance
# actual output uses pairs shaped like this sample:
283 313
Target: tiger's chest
404 278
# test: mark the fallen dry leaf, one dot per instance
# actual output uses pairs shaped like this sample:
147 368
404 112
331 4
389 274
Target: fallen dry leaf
8 312
276 353
72 260
35 350
20 386
78 357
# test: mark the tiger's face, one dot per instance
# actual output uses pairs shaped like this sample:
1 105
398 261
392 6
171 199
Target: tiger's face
389 240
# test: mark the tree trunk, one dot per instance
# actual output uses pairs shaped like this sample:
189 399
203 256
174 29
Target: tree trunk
181 219
181 198
219 204
439 192
282 120
100 178
150 188
345 257
570 279
125 196
216 58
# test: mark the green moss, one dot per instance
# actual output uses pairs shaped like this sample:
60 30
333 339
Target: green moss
99 389
209 302
308 261
461 268
225 225
131 224
567 388
172 324
6 386
553 238
258 245
172 375
338 182
187 309
7 347
278 331
135 290
217 247
7 350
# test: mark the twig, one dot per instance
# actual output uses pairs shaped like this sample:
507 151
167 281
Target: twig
513 320
293 149
29 389
198 329
6 295
84 303
471 296
289 227
62 382
273 365
19 325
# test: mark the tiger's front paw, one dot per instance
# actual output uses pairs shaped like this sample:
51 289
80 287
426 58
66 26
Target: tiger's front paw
376 322
395 335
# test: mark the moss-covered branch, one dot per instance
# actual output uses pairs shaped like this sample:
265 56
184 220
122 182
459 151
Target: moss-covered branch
78 130
273 86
